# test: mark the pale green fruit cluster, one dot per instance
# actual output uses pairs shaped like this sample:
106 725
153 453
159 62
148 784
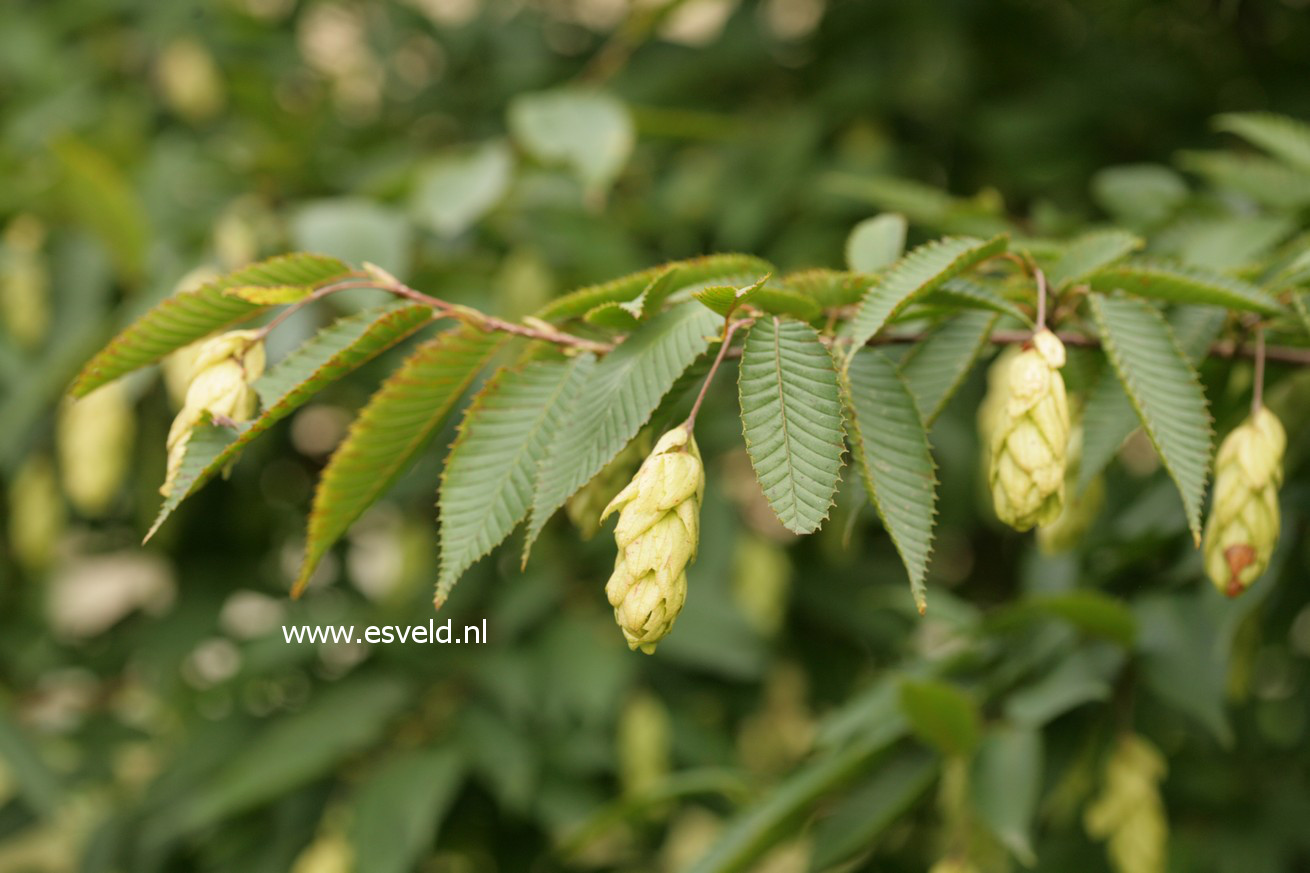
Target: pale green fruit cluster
1129 814
1242 530
94 437
220 385
1029 435
657 536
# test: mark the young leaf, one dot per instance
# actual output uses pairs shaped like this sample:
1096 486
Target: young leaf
1092 252
487 483
621 393
791 418
397 422
890 446
933 369
185 317
331 354
876 243
725 269
1164 390
771 299
829 288
1283 137
1180 284
925 269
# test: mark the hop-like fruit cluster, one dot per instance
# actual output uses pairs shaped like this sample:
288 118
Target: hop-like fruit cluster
657 536
1029 435
1243 526
220 385
94 438
1129 814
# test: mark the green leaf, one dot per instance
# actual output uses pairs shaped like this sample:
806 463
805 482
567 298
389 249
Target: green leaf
1139 194
398 811
1092 252
187 316
291 751
921 271
622 392
792 421
614 316
890 445
876 243
272 295
829 288
723 269
395 424
25 768
1301 303
1164 390
1282 137
1085 676
871 807
1006 783
942 716
457 188
1091 612
1184 285
357 230
769 299
589 132
328 356
1264 180
935 368
965 294
98 194
488 480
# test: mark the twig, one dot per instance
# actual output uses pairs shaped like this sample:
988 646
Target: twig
1041 297
729 329
1258 391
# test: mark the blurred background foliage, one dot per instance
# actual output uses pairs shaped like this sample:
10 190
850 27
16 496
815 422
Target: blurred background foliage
499 153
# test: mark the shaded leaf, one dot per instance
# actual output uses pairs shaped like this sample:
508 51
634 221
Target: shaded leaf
934 368
1179 284
1085 676
870 807
587 131
1264 180
770 299
1283 137
397 421
890 445
829 288
941 715
965 294
1006 784
488 480
1092 252
187 316
1165 392
791 419
1139 194
398 811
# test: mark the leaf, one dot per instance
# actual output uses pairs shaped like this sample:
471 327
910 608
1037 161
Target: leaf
487 483
1091 612
1283 137
187 316
723 269
1264 180
1006 783
934 368
615 316
98 194
965 294
398 810
1090 253
876 243
325 358
455 189
397 421
1083 677
942 716
925 269
271 295
622 392
871 807
829 288
791 418
891 450
1165 392
295 749
1180 284
587 131
1139 194
39 785
356 230
773 300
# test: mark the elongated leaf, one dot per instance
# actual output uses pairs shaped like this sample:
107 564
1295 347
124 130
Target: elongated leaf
942 715
1279 135
925 269
1184 285
621 393
872 806
1164 390
1006 784
334 352
829 288
397 421
270 295
770 299
398 811
890 446
187 316
488 480
710 269
965 294
936 367
791 417
1092 252
876 242
1268 182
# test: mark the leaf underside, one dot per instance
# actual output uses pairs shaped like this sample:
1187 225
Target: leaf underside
1164 390
487 483
923 270
187 316
1179 284
1092 252
791 418
322 360
891 449
391 429
622 392
935 368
